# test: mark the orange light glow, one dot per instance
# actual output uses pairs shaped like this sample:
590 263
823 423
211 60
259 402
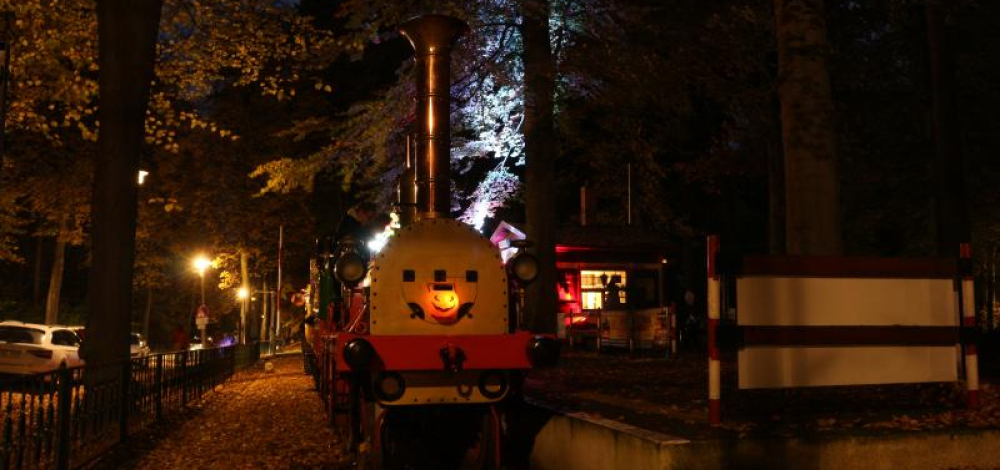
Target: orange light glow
445 304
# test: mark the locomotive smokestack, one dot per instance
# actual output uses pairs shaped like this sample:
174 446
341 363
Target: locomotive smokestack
406 191
432 37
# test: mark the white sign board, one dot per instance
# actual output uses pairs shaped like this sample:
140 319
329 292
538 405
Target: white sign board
804 301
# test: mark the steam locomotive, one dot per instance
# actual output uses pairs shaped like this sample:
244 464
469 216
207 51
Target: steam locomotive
419 346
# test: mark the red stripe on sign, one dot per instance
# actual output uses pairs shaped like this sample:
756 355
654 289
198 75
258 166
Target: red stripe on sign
970 349
969 321
965 250
850 335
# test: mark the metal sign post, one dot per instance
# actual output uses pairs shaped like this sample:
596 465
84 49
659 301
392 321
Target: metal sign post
201 319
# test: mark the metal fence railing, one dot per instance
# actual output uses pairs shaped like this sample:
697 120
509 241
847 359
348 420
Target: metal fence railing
65 418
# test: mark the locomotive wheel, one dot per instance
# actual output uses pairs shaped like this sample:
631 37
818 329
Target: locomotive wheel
341 412
438 438
482 455
365 417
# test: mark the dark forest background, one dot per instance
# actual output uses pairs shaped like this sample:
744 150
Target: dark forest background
285 115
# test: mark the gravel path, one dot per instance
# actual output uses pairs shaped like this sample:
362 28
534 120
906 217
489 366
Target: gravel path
256 420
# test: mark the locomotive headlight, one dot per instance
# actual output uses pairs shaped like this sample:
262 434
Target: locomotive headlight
390 386
543 351
524 267
350 269
358 354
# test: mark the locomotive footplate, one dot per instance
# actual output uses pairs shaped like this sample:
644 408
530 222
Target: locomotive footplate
421 370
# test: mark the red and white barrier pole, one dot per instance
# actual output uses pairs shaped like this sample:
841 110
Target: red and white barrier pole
714 366
969 321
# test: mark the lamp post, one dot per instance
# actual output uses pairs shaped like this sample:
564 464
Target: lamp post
200 264
243 294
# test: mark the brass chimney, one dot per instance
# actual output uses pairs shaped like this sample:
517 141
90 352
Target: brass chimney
406 189
432 37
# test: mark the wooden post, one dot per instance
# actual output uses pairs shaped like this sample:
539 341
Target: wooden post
969 321
714 369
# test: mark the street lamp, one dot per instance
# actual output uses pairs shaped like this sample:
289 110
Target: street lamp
243 294
200 264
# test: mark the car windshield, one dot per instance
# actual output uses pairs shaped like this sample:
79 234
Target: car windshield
17 334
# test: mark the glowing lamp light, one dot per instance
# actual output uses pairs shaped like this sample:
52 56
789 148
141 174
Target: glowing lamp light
376 244
142 176
242 293
200 264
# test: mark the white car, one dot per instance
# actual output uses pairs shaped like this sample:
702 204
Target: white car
29 348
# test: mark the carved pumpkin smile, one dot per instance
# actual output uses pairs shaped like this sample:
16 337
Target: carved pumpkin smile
445 301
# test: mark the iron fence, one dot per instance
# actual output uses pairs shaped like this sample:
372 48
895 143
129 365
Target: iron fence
65 418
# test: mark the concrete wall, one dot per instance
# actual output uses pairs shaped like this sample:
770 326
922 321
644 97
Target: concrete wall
578 442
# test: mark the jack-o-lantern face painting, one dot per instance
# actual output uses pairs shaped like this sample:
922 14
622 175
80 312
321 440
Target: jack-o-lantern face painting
444 303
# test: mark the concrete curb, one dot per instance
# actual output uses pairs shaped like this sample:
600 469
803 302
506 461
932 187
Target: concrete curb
577 441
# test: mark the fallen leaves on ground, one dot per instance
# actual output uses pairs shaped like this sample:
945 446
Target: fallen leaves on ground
257 420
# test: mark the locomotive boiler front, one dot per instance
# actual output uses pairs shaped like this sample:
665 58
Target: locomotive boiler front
438 327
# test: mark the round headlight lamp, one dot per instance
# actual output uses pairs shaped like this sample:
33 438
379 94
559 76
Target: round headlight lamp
390 386
350 269
523 267
358 354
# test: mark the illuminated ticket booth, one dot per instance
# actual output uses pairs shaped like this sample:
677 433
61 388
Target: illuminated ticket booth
613 297
608 296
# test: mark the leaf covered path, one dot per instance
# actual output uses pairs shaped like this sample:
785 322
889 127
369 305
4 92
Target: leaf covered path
256 420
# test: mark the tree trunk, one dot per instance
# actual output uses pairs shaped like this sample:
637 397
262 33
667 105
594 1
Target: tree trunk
812 202
950 209
775 186
56 276
540 149
36 284
126 51
149 309
264 313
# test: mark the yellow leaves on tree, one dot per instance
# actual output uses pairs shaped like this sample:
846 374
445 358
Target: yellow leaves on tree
204 45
